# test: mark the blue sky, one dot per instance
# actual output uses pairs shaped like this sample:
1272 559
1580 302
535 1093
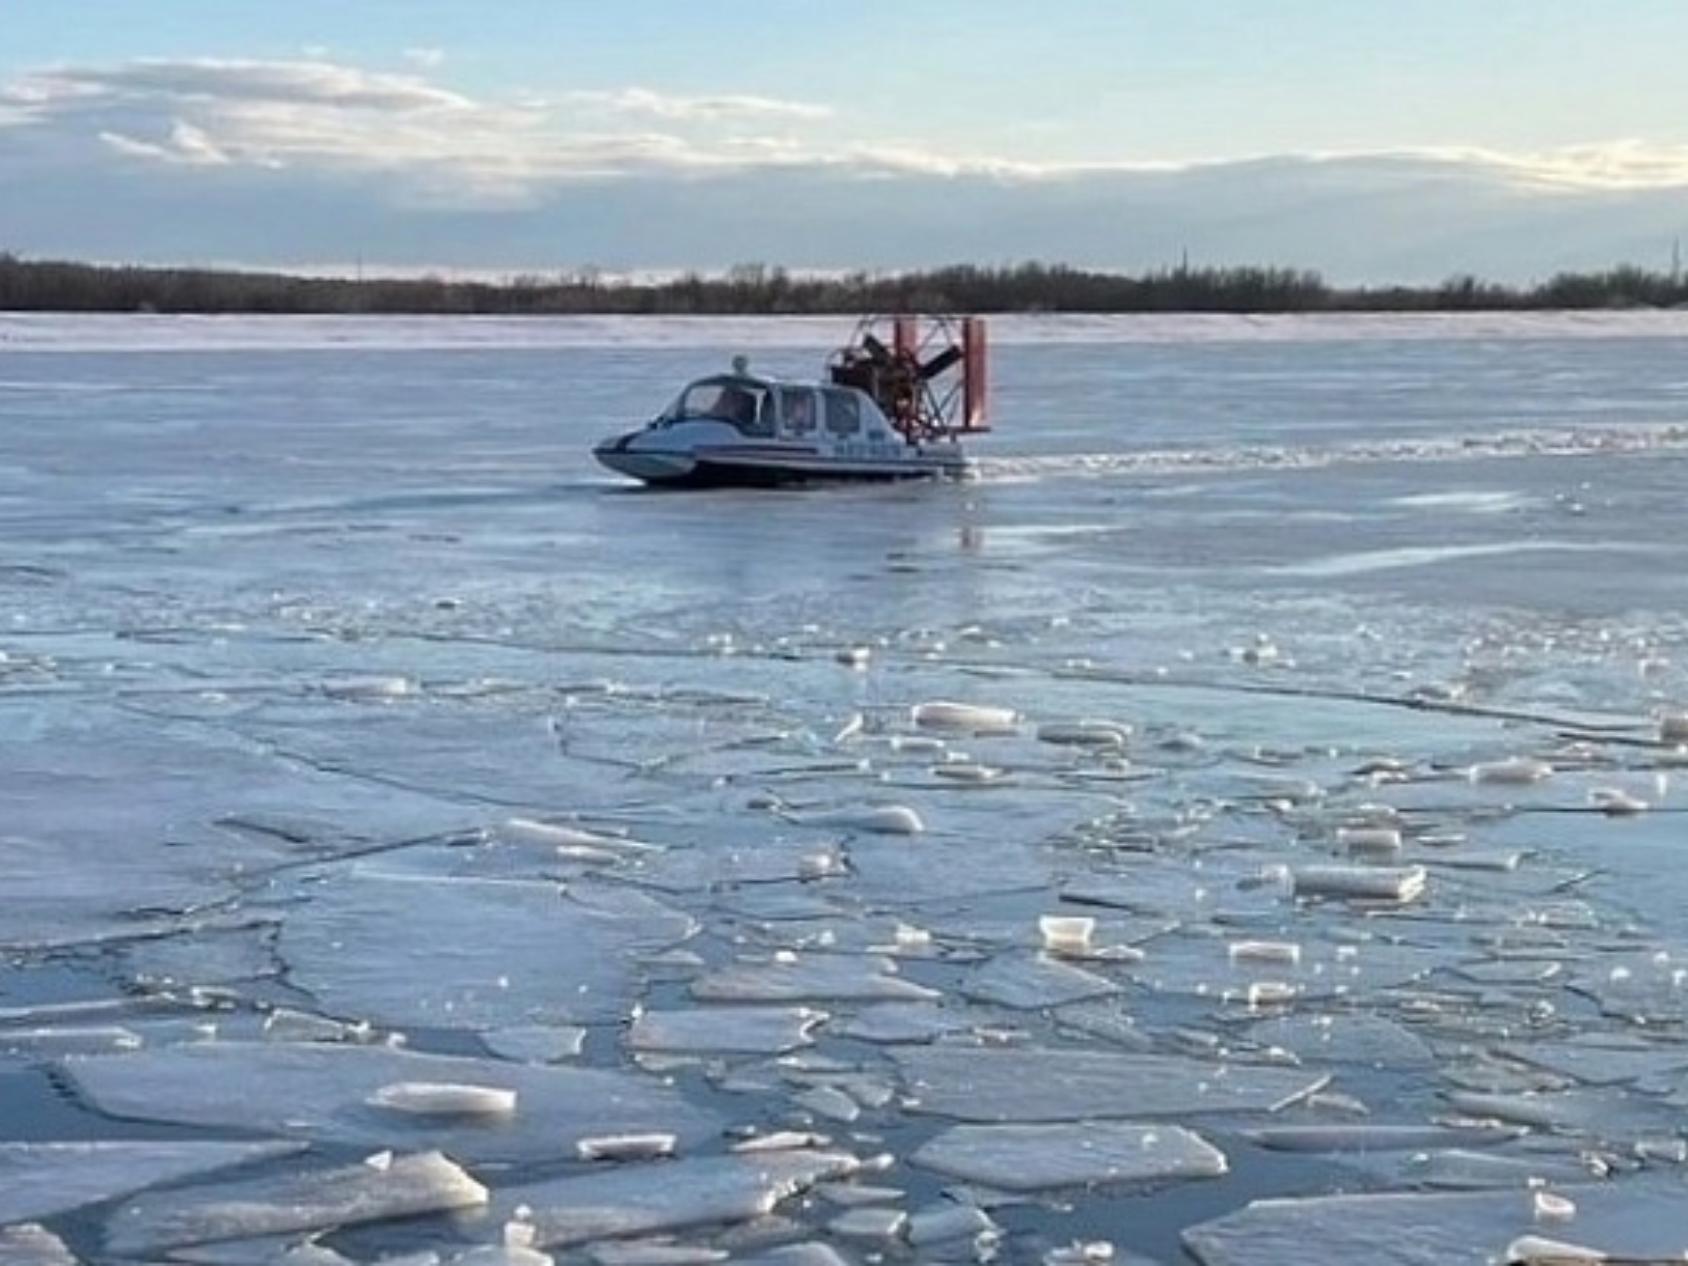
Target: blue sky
477 134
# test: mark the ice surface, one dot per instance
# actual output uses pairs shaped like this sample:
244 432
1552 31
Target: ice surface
303 1200
345 700
1626 1219
321 1092
1038 1157
993 1085
650 1199
38 1180
409 949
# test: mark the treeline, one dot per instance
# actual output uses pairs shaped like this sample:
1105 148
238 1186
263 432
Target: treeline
55 286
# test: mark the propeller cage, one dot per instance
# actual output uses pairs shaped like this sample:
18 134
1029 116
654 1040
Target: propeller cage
929 379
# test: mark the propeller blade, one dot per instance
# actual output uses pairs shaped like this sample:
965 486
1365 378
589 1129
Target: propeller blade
876 350
945 359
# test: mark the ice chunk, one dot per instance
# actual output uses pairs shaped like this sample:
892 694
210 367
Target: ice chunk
1037 1157
979 718
1031 1084
967 772
39 1180
870 1223
572 840
368 687
536 1043
1285 952
626 1147
31 1244
1516 771
445 1099
1365 883
413 949
938 1224
285 1024
320 1092
1369 839
1066 934
1105 734
1538 1250
879 819
1024 983
634 1200
1616 802
305 1200
812 978
733 1030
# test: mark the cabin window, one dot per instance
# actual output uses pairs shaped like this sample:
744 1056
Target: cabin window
843 413
797 410
742 404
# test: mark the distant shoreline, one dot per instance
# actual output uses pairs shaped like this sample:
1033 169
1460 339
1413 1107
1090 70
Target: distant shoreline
757 290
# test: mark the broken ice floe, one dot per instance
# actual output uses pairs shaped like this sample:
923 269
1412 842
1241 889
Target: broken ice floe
728 1030
1039 1157
322 1092
1632 1220
811 978
636 1200
410 949
1024 982
38 1180
1007 1085
300 1200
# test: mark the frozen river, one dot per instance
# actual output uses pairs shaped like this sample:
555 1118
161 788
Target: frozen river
414 842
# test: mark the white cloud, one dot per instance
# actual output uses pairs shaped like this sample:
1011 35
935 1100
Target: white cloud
699 108
426 58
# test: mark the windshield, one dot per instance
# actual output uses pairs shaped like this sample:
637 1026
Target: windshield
739 401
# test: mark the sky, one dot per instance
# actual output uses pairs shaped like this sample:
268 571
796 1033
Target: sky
1374 141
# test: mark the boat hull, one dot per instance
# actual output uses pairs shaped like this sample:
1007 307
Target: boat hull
739 469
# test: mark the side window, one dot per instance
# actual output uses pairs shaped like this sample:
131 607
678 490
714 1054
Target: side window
798 411
843 413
